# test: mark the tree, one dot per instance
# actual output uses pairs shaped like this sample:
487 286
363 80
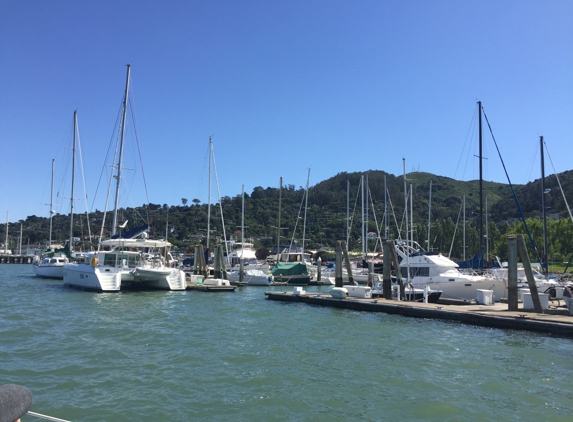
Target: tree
184 200
196 201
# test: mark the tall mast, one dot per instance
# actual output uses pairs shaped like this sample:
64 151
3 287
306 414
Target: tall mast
305 208
6 244
544 210
70 244
347 212
480 188
363 237
385 210
279 224
464 226
429 214
51 204
405 199
118 175
209 192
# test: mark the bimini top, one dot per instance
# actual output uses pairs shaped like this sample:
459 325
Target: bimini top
136 243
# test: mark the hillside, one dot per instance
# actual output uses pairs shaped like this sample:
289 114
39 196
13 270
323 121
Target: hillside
327 210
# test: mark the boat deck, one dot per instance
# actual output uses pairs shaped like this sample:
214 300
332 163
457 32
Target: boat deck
553 321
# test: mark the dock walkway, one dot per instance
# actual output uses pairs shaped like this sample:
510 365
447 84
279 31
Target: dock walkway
553 321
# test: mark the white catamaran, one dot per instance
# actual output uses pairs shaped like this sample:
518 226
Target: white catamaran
129 262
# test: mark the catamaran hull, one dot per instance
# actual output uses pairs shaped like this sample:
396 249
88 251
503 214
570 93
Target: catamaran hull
104 279
163 279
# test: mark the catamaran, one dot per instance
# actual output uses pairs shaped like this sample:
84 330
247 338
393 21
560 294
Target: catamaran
129 261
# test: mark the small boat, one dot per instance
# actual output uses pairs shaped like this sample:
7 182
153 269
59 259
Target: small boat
411 293
51 265
293 273
251 277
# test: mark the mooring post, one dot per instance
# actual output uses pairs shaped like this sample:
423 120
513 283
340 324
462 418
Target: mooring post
370 273
397 271
512 273
318 268
348 266
387 270
241 269
216 262
522 249
338 263
222 266
196 261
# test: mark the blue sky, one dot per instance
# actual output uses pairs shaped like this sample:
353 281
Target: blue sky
282 86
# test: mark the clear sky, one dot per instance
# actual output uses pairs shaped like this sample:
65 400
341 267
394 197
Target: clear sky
282 86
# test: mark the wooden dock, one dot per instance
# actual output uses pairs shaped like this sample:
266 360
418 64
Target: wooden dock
16 259
554 321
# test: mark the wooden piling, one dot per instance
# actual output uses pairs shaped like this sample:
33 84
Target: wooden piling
522 249
338 263
512 302
348 266
387 270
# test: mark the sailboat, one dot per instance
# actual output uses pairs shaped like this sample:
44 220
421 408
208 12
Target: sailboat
293 264
254 275
51 263
130 261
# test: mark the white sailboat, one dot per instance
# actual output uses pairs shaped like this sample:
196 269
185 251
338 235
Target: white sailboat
51 263
130 262
255 275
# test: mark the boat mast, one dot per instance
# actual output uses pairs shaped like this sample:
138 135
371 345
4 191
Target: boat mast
304 221
429 214
118 176
209 191
363 236
6 244
405 199
480 187
544 264
70 244
51 204
385 210
279 224
347 212
464 227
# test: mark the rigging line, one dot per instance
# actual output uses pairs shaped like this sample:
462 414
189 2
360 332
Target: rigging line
132 110
355 206
560 187
471 130
104 166
220 205
83 178
375 221
393 213
296 222
533 161
115 151
513 191
455 230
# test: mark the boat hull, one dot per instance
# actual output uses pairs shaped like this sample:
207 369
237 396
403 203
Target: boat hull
49 271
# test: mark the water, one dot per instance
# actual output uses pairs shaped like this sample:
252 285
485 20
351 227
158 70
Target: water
181 356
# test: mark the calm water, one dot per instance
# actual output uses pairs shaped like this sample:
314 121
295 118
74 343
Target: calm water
180 356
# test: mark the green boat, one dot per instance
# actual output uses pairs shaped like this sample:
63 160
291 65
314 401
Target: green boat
293 273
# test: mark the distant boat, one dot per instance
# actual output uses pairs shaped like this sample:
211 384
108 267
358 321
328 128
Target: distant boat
51 263
294 273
